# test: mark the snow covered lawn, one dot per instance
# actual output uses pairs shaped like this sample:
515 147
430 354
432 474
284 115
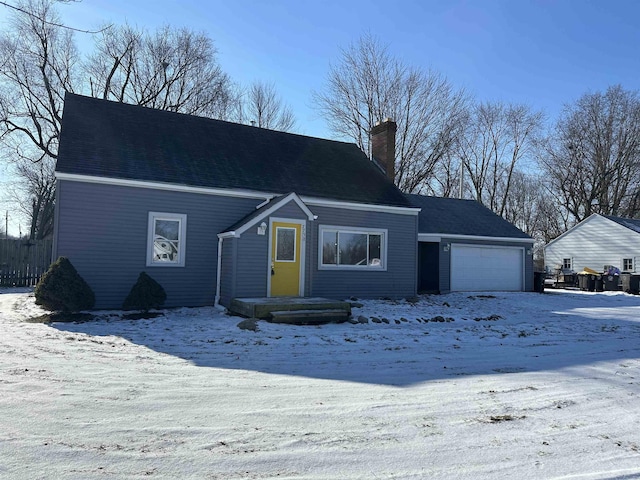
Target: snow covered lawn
517 386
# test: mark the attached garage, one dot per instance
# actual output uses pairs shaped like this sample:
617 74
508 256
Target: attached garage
463 246
486 268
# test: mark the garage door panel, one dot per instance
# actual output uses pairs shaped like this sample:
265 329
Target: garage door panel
482 268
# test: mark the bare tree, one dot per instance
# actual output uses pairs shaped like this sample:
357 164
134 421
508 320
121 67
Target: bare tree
554 220
496 140
263 107
39 63
368 85
19 7
446 179
592 159
526 203
169 69
35 195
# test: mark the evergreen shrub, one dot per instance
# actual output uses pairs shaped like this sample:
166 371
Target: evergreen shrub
62 288
145 294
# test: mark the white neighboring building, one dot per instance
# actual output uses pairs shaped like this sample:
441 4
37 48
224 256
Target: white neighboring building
595 242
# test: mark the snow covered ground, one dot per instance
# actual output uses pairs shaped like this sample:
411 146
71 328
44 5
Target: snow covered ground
520 386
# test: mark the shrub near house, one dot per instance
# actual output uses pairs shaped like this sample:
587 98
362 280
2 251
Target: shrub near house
145 294
61 288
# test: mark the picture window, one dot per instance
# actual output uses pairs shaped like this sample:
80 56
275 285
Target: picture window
352 248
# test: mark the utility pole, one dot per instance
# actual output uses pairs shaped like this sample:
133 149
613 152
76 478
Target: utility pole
461 179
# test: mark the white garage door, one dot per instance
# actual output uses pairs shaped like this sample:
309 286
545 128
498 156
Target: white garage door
480 268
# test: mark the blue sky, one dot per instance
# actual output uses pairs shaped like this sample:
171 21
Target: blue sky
543 53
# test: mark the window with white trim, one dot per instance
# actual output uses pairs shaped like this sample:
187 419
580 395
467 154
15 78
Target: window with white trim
566 263
166 239
352 248
627 264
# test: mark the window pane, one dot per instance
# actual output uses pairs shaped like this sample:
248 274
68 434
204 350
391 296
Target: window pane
168 229
329 248
353 248
166 241
375 256
286 244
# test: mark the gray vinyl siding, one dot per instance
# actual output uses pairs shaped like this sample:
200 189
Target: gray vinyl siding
56 216
290 210
102 229
245 259
445 268
594 243
227 271
400 277
445 260
251 264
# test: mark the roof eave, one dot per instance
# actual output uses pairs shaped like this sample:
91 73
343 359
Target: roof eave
437 237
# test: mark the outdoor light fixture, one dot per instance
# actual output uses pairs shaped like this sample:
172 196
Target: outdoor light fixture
447 247
262 228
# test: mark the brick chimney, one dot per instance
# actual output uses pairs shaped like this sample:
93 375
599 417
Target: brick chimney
383 146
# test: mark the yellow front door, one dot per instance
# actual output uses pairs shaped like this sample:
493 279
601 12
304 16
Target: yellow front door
285 259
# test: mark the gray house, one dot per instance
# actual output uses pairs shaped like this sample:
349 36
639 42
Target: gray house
215 210
464 246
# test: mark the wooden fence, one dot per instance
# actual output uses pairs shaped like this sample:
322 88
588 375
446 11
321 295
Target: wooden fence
22 262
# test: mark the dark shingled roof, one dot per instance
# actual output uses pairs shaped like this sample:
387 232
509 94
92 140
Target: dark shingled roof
109 139
630 223
461 217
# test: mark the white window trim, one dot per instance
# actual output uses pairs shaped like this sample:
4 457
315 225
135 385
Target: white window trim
570 267
179 217
633 264
345 229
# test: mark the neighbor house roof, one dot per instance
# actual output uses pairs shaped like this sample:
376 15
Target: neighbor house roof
461 217
630 223
109 139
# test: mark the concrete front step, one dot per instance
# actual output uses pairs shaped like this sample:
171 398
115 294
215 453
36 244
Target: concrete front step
262 307
309 317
